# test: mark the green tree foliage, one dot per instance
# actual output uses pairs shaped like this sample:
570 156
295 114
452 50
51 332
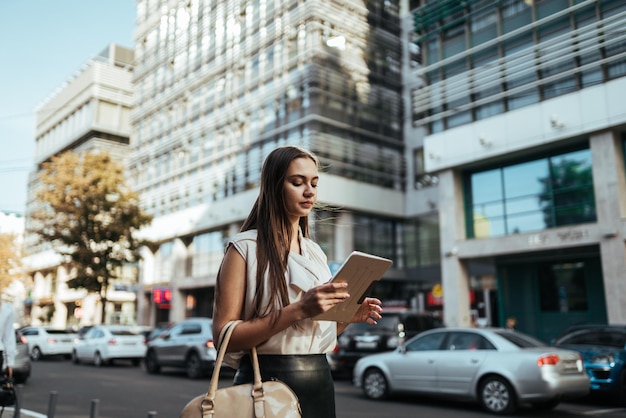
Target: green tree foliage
89 216
567 197
10 265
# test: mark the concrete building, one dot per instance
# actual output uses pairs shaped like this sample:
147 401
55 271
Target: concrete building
519 108
90 111
219 84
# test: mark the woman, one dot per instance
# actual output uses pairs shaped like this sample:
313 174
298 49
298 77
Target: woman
275 278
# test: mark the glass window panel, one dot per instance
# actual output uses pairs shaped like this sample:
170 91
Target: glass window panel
527 222
489 109
488 227
525 179
486 186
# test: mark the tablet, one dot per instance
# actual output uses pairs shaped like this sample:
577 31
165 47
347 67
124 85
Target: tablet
361 271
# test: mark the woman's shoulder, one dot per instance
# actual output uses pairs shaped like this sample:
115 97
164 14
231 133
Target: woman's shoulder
243 241
249 235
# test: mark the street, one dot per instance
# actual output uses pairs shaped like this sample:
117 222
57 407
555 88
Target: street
124 391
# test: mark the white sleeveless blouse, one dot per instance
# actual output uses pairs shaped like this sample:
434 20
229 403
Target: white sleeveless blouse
303 272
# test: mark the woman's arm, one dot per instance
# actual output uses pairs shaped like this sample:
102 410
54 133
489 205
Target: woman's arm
231 285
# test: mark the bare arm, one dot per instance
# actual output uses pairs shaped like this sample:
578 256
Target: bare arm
232 287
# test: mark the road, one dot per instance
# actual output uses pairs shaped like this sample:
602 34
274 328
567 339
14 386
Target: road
123 391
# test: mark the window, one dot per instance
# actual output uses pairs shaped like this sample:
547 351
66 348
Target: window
532 195
562 287
427 343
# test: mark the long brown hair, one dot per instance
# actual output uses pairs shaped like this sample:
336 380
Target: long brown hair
274 232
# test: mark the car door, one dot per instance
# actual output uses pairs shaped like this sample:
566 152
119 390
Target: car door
459 361
90 342
413 366
172 344
32 336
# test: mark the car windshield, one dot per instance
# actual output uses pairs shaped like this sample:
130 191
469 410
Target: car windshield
521 340
592 337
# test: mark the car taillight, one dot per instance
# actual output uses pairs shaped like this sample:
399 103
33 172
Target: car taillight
112 341
336 349
23 339
52 340
548 360
209 344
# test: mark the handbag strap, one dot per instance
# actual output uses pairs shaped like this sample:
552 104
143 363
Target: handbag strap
224 338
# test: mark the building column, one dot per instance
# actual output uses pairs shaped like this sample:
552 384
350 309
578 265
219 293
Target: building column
609 186
454 277
344 237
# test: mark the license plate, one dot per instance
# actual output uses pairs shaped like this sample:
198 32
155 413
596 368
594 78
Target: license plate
366 344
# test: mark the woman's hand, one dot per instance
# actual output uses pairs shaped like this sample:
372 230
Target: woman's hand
322 298
369 311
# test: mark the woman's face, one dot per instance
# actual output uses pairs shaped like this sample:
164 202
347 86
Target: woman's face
300 188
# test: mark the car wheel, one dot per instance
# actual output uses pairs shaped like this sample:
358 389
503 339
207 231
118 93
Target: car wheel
375 384
152 363
193 366
35 354
98 361
75 359
497 395
546 405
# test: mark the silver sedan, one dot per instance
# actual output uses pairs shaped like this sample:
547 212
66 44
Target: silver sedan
496 367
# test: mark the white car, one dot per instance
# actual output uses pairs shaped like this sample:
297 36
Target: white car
498 368
46 341
102 344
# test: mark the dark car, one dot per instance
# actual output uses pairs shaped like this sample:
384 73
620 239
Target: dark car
603 348
361 339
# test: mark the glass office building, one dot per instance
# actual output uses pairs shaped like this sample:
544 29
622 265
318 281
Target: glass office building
520 110
219 84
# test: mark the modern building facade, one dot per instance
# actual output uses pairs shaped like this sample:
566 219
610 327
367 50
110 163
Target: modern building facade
91 111
219 84
519 108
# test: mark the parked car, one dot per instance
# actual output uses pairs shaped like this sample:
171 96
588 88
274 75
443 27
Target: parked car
104 344
187 344
152 333
361 339
45 341
498 368
603 348
22 367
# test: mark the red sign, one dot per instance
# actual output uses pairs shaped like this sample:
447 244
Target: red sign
162 296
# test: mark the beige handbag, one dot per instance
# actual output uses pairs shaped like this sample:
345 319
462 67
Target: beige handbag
272 399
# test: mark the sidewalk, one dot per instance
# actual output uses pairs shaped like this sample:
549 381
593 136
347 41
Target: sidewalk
23 413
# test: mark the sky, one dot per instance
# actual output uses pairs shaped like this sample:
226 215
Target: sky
43 43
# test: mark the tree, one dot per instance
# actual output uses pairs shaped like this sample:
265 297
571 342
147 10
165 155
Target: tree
10 263
89 216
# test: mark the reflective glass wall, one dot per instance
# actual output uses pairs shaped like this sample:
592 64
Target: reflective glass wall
533 195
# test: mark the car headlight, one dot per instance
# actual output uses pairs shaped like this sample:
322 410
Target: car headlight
343 341
393 342
604 358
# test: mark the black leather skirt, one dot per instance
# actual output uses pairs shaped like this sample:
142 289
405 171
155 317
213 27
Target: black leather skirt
307 375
